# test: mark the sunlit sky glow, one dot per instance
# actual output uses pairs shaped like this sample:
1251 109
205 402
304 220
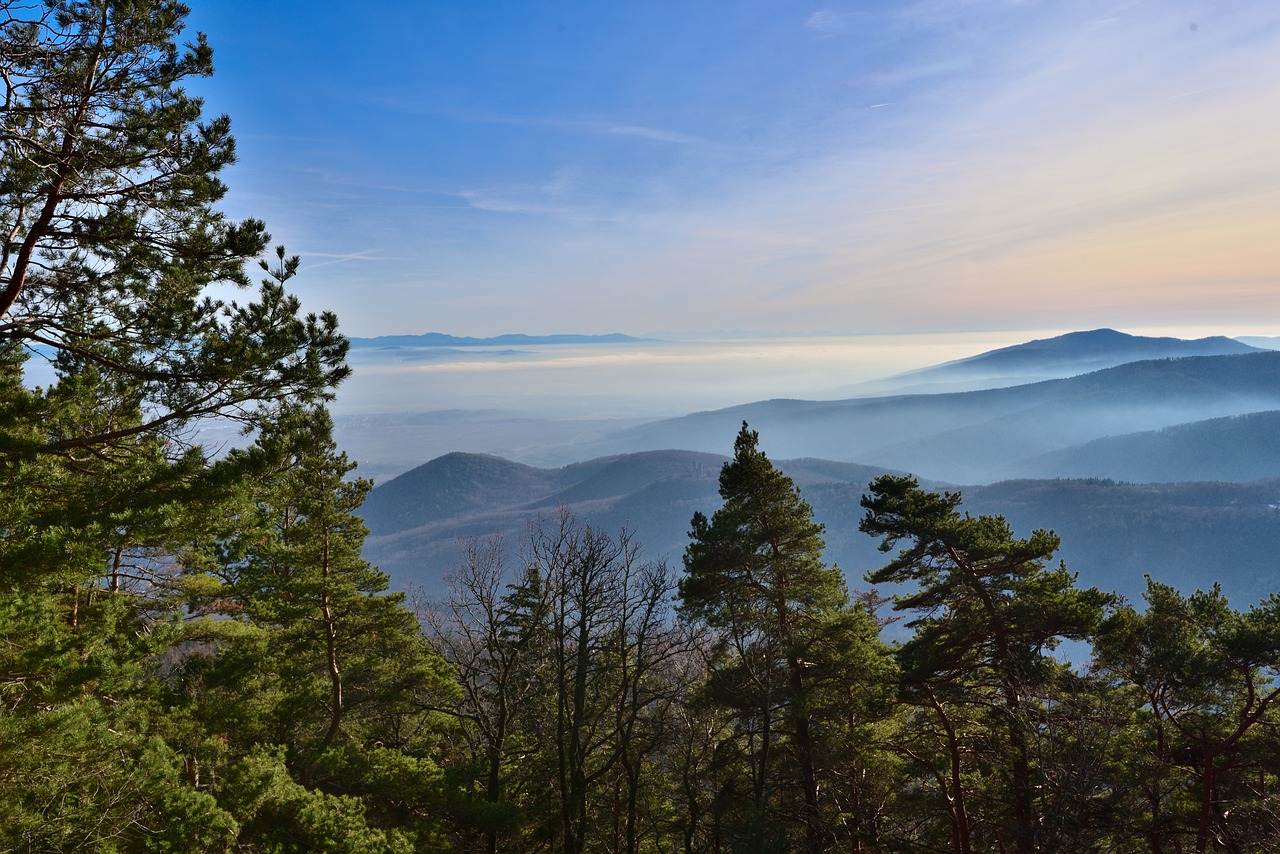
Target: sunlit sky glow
942 165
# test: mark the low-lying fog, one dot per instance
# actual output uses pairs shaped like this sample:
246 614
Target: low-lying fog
538 404
534 404
657 378
551 404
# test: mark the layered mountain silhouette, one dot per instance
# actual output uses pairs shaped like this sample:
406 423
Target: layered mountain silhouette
1169 466
1264 342
416 519
979 436
1239 448
1052 358
1188 534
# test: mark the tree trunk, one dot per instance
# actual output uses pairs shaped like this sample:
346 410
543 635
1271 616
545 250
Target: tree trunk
804 757
956 810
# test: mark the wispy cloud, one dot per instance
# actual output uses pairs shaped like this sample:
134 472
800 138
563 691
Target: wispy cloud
827 23
587 125
912 73
1090 161
371 255
1069 190
597 127
647 133
552 199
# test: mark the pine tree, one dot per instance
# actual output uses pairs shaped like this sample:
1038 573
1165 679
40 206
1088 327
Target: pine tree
108 187
988 612
330 666
1204 759
754 574
108 181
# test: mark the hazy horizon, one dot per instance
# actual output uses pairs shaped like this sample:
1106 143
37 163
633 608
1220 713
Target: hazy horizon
665 377
542 404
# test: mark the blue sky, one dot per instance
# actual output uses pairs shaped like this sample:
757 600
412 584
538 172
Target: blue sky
942 165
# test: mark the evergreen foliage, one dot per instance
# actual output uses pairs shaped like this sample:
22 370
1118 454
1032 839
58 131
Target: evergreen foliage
125 724
1204 678
990 611
786 637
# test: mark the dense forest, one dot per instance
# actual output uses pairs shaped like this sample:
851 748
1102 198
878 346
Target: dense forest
195 657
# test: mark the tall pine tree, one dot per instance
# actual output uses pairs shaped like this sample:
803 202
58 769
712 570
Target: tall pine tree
988 612
328 665
754 574
110 353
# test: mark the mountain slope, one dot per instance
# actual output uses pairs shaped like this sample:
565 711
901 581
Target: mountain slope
1092 350
1052 358
454 485
1261 341
415 519
1188 534
1238 448
973 436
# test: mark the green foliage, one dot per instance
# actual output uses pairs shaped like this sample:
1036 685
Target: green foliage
984 598
108 180
763 543
789 644
1206 678
119 723
989 610
184 818
280 815
313 656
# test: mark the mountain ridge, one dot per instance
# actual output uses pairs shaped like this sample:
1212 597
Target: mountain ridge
1112 532
1058 357
1058 454
964 437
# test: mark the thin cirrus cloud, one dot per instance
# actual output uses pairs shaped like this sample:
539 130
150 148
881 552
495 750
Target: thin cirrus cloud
1050 192
827 22
885 166
373 255
579 125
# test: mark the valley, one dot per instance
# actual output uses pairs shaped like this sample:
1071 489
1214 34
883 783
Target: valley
1168 465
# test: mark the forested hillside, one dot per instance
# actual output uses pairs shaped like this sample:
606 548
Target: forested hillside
1114 533
195 655
983 436
1238 448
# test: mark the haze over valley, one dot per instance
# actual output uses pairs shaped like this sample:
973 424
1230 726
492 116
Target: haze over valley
897 187
1140 451
551 404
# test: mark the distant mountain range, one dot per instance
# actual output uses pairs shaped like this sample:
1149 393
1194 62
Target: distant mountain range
415 520
980 436
1051 358
1239 448
1186 534
1083 352
1266 343
437 339
1169 466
